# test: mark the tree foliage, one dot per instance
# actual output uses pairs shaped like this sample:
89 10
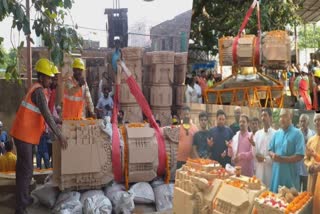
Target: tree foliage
48 23
8 58
309 37
212 20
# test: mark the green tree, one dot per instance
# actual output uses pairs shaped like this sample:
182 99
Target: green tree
3 53
214 19
9 58
309 37
48 23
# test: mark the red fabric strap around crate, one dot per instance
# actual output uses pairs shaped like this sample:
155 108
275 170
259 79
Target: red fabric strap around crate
243 25
258 40
141 100
116 152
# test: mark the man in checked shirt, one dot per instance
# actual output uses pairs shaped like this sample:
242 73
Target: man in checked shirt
76 94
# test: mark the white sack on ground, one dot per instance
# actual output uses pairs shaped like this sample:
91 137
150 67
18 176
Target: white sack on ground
97 204
122 201
164 197
113 192
89 194
46 195
157 182
125 205
68 202
70 207
143 193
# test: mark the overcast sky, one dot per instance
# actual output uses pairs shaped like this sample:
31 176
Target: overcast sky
91 14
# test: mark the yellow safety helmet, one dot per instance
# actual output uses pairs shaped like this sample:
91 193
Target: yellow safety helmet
55 70
317 73
44 66
78 63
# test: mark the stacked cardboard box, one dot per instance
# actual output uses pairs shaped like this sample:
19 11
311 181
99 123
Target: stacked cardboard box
275 47
87 162
276 51
133 60
143 153
180 71
147 81
225 54
208 188
159 75
192 193
245 47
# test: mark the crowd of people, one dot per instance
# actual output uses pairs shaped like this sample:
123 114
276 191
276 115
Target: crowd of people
278 157
38 121
197 84
303 82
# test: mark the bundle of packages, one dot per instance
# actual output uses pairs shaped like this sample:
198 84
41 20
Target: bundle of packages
276 51
225 50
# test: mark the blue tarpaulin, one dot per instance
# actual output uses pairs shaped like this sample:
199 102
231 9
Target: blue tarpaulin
203 65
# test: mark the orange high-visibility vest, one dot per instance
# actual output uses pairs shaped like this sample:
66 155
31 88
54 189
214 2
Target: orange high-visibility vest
73 105
29 124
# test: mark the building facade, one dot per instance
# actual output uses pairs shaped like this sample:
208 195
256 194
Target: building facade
172 35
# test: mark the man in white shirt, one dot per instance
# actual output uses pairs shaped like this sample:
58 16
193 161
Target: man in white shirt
260 142
307 134
305 68
190 93
105 103
198 90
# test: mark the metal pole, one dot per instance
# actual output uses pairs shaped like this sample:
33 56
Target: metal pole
296 44
29 52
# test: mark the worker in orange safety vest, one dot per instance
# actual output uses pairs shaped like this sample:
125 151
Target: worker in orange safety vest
76 94
27 128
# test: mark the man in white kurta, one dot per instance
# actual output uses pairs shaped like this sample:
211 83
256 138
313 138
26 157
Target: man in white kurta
198 90
191 93
261 140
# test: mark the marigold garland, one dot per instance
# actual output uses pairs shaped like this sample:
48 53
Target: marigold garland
298 202
136 125
168 175
186 127
126 158
76 118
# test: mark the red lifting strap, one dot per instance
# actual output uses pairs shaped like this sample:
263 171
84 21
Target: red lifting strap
116 153
243 25
257 50
141 100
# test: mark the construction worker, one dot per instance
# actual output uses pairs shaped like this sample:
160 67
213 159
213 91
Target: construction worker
8 160
52 92
76 94
27 128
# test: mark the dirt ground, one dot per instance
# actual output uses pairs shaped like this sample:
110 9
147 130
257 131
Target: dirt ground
7 206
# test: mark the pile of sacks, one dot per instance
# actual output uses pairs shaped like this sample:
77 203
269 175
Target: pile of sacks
141 198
